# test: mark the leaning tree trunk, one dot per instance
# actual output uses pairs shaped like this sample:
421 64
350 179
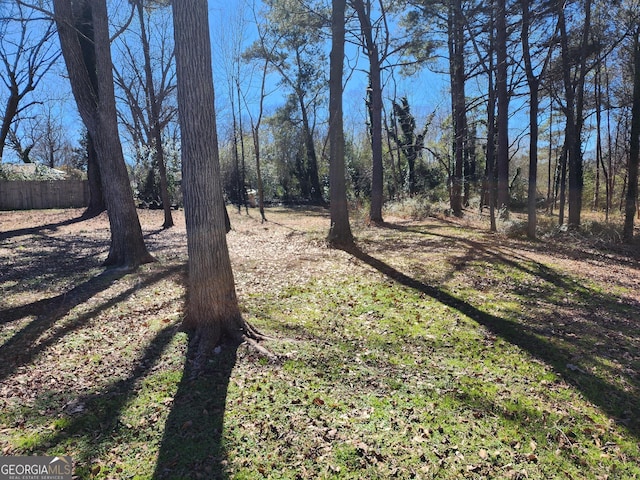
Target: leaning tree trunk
212 313
97 108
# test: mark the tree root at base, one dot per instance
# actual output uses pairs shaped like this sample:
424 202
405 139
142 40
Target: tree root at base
202 349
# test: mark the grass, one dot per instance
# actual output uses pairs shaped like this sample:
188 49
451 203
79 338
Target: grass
436 351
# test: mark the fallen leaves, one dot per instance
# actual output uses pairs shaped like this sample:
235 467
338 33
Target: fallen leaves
382 381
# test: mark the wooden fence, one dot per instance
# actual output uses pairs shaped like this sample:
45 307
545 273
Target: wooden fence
32 194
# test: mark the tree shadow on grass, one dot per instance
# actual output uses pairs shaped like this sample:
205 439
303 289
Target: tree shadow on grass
95 417
565 246
41 228
559 355
24 346
192 444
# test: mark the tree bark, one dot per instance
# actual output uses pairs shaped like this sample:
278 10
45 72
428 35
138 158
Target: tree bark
458 102
96 198
98 111
375 110
212 312
533 83
339 231
502 158
634 153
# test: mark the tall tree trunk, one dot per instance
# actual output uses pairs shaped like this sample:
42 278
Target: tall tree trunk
502 158
156 129
339 230
634 153
533 82
458 102
375 109
236 158
243 170
255 127
212 306
98 111
491 132
599 162
256 147
550 182
563 181
569 153
576 169
609 170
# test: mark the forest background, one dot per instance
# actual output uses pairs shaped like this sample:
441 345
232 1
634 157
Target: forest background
445 99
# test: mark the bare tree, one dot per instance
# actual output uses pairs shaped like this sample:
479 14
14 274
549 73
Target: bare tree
93 89
26 55
149 111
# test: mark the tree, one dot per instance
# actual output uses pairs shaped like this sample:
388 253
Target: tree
26 55
634 153
155 121
84 28
97 108
255 135
574 68
376 59
533 81
213 314
502 92
339 230
291 42
409 142
149 85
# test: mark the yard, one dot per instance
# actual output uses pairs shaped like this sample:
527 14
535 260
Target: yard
433 350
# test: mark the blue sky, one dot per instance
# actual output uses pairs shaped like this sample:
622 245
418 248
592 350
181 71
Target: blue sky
427 91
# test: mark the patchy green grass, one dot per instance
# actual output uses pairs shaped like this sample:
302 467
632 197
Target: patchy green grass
434 351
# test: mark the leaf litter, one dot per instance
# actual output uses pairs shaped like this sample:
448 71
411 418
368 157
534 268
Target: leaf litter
360 393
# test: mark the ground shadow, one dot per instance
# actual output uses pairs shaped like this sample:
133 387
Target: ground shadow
21 348
556 354
41 228
192 444
95 417
564 244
